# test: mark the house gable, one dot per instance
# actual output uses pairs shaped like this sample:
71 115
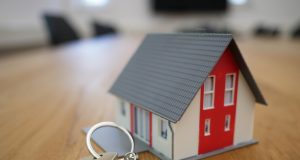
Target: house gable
245 109
246 72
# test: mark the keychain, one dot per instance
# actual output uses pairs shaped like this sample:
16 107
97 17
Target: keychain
108 155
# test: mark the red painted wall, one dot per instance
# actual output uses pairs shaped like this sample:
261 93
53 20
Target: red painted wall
218 138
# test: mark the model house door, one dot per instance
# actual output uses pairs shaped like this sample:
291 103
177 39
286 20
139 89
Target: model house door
142 124
218 106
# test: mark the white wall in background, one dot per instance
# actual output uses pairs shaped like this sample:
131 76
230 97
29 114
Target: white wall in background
137 15
23 17
20 21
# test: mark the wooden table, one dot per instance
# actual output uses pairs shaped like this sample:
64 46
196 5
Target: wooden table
47 95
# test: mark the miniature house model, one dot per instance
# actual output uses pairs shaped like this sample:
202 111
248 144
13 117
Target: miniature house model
188 95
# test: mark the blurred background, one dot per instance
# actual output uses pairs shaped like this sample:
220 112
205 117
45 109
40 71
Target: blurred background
34 23
58 59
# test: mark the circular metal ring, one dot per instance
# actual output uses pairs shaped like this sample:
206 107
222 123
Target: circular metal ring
105 124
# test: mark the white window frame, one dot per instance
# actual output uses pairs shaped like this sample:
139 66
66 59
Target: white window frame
207 122
227 118
230 89
161 121
142 124
209 92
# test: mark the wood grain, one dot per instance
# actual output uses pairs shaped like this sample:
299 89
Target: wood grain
47 95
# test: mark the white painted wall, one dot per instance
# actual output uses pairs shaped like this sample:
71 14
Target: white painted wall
186 131
244 112
121 119
161 145
23 18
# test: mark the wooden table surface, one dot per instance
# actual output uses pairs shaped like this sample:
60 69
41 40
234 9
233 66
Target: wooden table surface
47 95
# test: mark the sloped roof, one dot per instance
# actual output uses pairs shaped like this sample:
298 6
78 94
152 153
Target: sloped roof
167 71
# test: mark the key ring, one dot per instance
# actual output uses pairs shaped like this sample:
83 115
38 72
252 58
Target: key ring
105 124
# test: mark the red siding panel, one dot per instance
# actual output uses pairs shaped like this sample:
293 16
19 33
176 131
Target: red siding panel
219 138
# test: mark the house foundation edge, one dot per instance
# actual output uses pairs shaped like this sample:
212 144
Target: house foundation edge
223 150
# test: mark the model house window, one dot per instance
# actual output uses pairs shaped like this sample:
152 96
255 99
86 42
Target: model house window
229 89
227 123
142 124
163 129
123 109
147 124
136 124
207 127
209 86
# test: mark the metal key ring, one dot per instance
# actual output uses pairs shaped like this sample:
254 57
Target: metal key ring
105 124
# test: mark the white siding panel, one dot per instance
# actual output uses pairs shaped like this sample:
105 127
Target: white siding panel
186 131
121 119
244 112
160 144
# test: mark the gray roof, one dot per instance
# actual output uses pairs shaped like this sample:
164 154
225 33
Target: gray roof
167 70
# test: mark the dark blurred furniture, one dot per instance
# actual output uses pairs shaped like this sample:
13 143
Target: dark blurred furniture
266 31
172 6
296 32
207 29
59 29
100 29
